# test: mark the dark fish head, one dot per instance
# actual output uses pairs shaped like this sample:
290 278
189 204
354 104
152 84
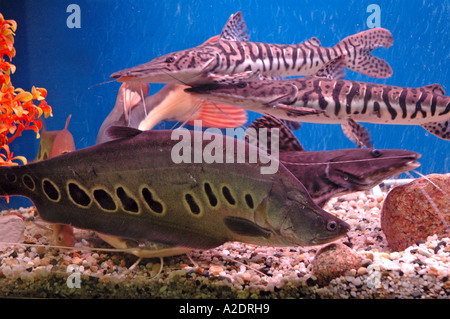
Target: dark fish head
299 220
366 168
183 67
249 94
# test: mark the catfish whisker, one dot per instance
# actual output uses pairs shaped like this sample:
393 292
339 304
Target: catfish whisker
101 83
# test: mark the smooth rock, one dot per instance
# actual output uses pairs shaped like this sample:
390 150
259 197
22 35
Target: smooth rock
333 261
414 211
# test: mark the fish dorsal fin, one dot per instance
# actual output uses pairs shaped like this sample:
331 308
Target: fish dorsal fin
314 42
235 29
434 89
118 132
333 69
288 141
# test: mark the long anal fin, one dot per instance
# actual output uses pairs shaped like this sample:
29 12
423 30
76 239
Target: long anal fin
357 133
146 250
441 130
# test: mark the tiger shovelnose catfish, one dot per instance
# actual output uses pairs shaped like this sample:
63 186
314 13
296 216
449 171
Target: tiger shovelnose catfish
232 56
131 188
333 101
326 174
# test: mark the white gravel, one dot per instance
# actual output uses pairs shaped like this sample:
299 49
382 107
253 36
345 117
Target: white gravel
233 270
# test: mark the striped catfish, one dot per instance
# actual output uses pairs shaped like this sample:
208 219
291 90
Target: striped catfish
326 174
232 56
130 189
325 99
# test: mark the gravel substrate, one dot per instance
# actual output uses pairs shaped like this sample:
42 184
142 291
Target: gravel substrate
233 270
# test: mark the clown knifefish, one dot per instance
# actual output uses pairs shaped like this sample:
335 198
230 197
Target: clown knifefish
131 188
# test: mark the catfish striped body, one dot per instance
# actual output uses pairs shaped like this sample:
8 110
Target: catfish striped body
130 188
232 56
338 100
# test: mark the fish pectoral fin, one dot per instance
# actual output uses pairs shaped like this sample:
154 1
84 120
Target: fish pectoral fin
441 130
235 28
245 227
220 115
296 111
357 133
334 69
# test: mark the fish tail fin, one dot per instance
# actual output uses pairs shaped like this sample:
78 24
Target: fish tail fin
441 130
358 48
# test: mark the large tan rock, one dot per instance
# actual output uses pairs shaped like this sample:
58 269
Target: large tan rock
417 210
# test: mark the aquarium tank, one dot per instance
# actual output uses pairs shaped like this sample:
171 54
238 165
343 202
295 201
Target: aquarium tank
57 62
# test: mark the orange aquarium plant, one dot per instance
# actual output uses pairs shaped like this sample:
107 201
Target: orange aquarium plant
18 110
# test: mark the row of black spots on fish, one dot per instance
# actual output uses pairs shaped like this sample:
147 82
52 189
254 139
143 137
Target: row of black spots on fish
228 196
151 200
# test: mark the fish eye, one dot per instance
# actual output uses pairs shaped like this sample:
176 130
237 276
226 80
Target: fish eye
376 153
170 59
241 85
331 226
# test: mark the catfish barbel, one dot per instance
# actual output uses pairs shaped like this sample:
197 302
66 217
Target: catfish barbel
130 188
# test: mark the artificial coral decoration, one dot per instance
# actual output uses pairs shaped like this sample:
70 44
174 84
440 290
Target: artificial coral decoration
17 110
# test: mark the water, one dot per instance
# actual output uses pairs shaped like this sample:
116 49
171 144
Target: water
115 34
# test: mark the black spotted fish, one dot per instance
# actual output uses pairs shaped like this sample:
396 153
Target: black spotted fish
131 188
232 56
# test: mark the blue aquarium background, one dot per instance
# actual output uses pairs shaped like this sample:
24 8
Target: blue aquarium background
73 63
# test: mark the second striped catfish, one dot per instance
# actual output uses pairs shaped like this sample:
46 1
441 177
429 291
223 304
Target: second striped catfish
131 188
232 56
